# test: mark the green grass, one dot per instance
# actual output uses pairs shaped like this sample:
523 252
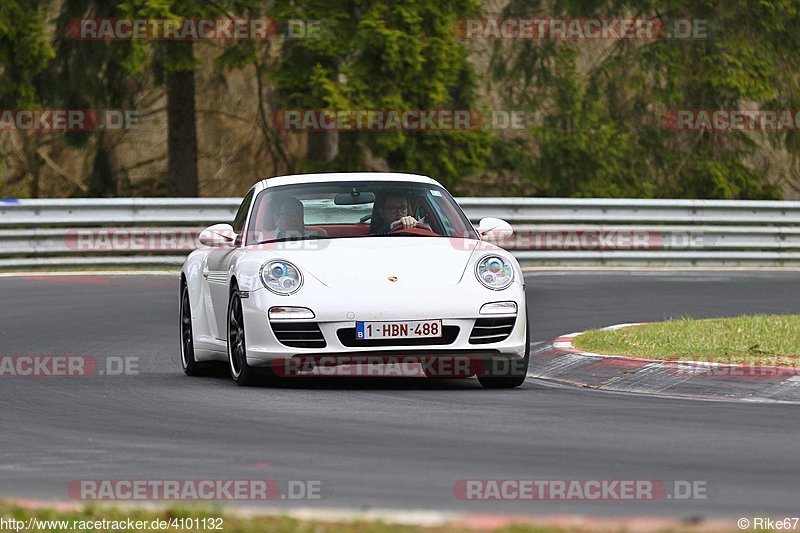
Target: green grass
251 523
751 340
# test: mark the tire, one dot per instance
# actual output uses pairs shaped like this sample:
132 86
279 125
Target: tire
242 373
190 366
513 373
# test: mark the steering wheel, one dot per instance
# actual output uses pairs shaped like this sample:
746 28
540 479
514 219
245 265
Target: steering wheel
420 231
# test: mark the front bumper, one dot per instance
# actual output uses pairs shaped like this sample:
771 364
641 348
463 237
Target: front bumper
333 313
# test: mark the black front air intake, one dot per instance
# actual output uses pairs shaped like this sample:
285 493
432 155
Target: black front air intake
489 330
298 334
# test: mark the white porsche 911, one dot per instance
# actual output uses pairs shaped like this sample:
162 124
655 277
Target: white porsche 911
335 268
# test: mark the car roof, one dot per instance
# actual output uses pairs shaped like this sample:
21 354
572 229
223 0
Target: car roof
346 176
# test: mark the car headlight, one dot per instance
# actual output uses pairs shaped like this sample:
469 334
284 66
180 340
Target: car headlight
281 277
494 272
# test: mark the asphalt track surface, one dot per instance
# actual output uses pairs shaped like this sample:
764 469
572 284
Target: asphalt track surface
388 443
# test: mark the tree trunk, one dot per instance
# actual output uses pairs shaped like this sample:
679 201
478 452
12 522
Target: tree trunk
181 124
323 146
101 180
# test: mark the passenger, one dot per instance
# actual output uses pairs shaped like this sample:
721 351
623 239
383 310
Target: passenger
289 220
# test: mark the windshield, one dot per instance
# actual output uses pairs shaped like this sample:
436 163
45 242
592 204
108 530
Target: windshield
351 209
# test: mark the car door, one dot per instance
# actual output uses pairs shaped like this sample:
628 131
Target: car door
219 266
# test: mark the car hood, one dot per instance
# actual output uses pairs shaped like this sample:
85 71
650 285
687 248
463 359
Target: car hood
360 262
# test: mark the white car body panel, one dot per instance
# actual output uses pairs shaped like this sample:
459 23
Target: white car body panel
347 280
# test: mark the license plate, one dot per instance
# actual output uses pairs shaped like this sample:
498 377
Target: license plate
409 329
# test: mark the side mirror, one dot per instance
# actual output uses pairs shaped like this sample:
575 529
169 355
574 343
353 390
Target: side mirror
218 235
494 229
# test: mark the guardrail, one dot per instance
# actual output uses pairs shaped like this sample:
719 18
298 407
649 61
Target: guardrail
557 231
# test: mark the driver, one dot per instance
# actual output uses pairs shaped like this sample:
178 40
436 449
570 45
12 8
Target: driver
393 213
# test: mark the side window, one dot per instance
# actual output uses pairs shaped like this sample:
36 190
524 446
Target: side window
241 215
